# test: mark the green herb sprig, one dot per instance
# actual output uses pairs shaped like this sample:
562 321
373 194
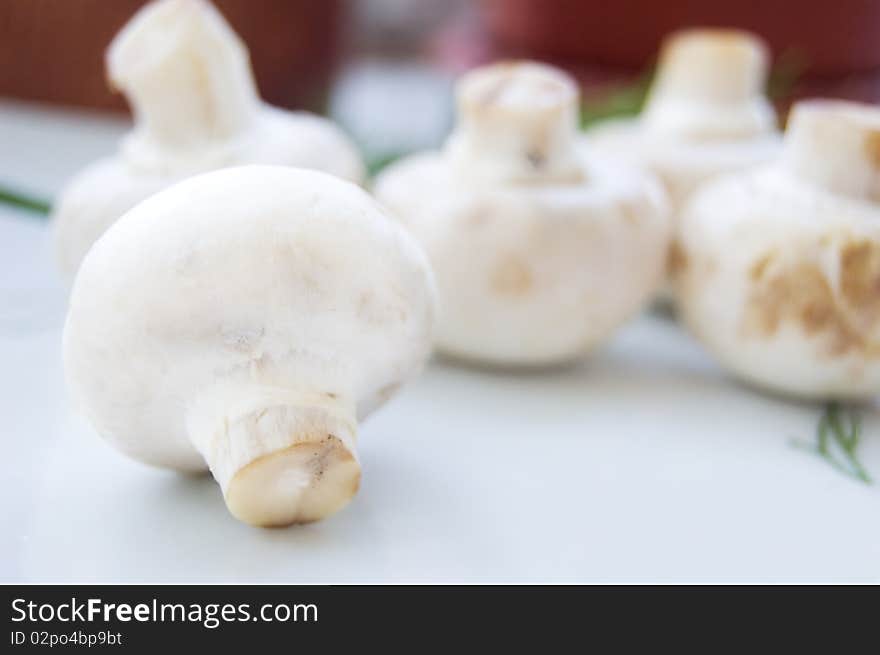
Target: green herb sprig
624 101
24 201
837 440
377 163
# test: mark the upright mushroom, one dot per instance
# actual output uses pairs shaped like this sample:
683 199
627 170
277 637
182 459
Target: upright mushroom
539 251
187 76
706 114
247 319
780 273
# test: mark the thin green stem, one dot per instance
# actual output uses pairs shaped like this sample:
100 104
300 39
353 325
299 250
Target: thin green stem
844 427
822 435
376 164
23 201
620 102
814 450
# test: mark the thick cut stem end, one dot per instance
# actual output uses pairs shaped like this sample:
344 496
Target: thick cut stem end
307 481
280 457
517 123
835 145
187 76
710 84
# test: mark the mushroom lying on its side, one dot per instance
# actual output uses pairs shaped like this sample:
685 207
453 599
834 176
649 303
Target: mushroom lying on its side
706 114
538 250
780 272
196 108
248 319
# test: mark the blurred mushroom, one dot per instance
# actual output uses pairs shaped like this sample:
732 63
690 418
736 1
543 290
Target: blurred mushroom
196 108
539 250
780 267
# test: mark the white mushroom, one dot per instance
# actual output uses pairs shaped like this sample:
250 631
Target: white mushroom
187 77
706 114
780 270
539 251
247 319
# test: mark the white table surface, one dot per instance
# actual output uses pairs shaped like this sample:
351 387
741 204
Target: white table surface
643 464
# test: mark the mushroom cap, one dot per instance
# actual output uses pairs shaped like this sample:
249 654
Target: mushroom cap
102 192
682 165
303 140
247 277
89 204
276 137
780 279
532 274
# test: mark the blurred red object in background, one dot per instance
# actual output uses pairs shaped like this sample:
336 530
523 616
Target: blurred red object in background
53 50
837 42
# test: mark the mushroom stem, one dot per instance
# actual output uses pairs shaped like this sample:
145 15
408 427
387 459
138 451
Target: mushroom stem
710 84
835 145
517 124
280 457
186 74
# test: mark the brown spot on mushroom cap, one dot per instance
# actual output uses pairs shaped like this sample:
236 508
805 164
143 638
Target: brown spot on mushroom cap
388 390
676 259
860 283
801 294
511 276
478 217
631 212
759 268
872 148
